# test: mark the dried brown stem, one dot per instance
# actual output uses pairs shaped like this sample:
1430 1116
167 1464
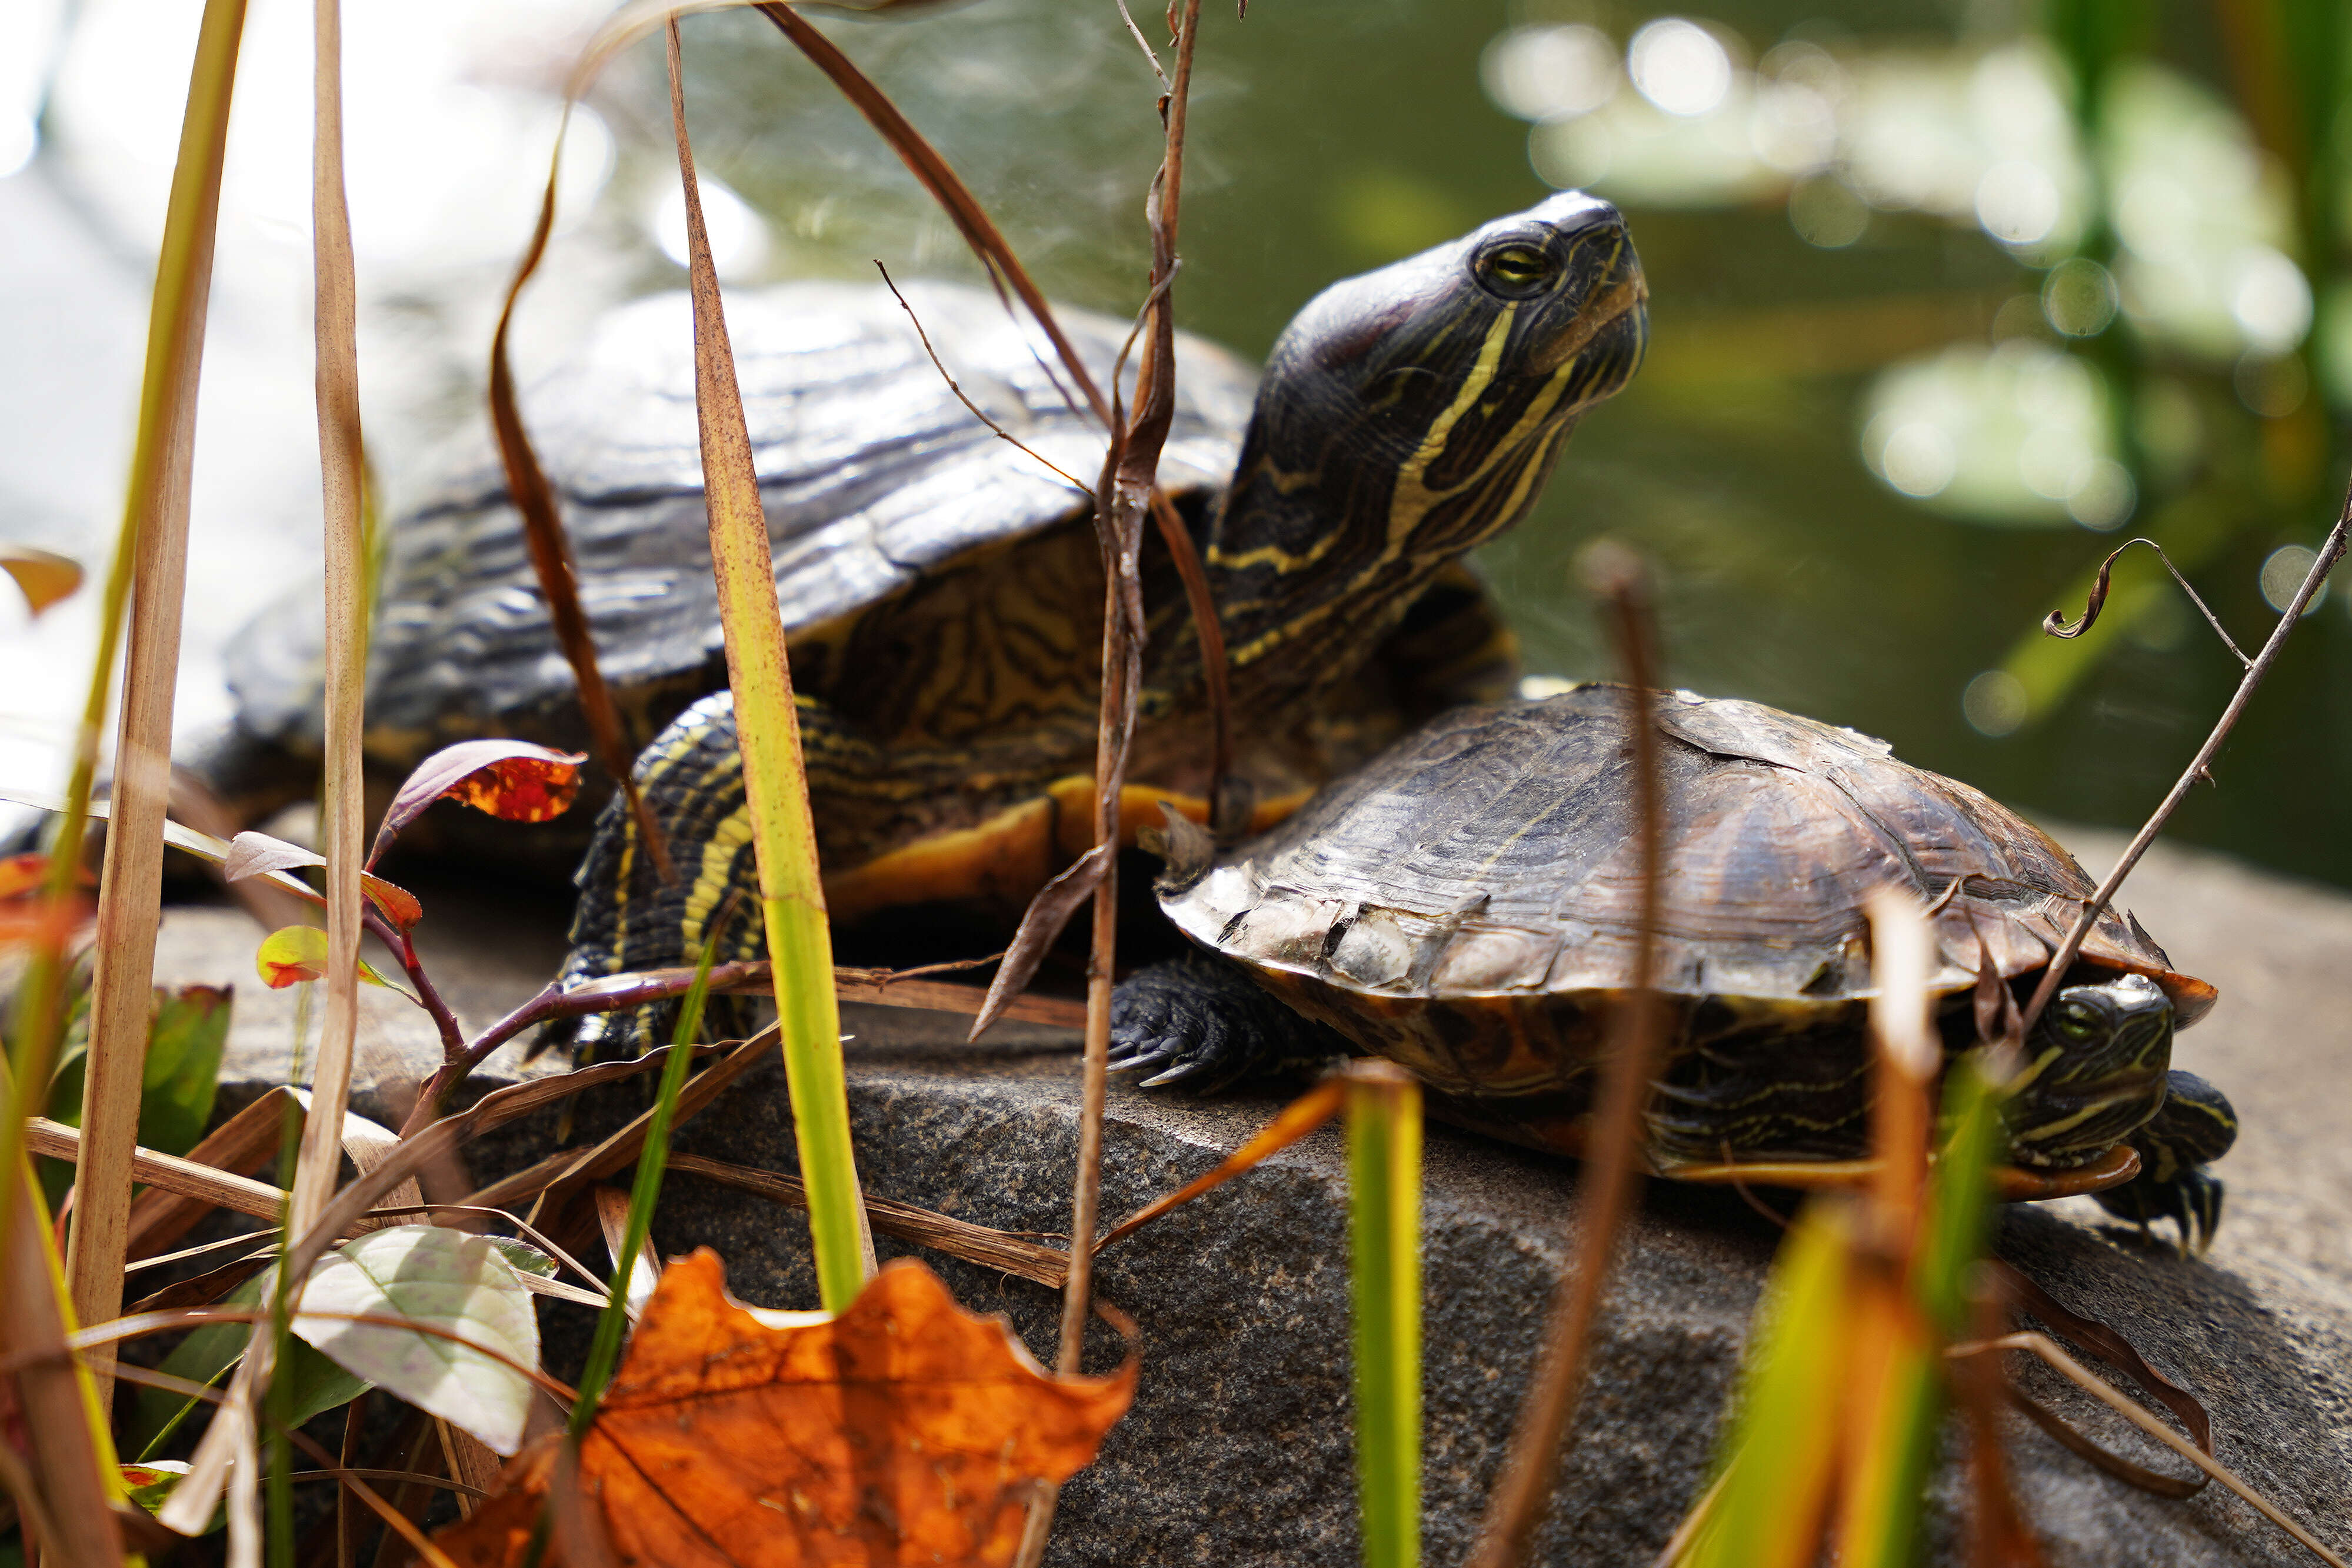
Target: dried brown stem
1611 1170
2331 551
2056 624
2098 1387
990 1248
977 411
551 548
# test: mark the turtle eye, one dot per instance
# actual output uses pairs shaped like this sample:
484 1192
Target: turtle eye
1517 270
2075 1021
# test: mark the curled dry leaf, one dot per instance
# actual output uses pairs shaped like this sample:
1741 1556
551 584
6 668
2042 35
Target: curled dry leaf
511 780
46 577
917 1433
295 952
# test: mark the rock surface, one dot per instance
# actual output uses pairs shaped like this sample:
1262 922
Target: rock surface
1237 1450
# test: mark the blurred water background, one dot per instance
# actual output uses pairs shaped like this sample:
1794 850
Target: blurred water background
1949 298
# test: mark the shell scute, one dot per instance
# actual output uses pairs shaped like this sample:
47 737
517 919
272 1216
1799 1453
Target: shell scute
1778 829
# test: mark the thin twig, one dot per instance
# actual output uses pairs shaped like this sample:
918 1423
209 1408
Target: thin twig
1523 1494
977 411
2056 624
2331 551
1142 43
2098 1387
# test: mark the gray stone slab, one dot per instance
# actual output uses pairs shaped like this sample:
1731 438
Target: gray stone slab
1237 1450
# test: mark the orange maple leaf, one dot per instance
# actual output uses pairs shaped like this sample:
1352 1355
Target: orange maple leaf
905 1431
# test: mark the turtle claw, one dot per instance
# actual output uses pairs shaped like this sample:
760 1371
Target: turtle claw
2191 1201
1205 1025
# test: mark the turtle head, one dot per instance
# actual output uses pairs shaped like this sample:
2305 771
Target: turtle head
1409 414
2095 1070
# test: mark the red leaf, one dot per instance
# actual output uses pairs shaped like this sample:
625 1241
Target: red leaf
512 779
395 903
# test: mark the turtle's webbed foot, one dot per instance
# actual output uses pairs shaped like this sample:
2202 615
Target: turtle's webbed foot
2196 1126
1203 1024
2191 1201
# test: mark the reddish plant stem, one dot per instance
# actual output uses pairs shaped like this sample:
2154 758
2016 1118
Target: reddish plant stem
1523 1495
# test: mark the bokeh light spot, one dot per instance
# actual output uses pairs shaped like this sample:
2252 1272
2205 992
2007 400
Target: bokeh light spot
2017 202
2283 570
738 237
2103 496
1550 73
1679 66
1825 213
2270 299
1917 459
1994 704
2079 298
2270 385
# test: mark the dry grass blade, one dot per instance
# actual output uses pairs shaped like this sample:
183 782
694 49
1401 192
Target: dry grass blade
1294 1121
68 1462
2091 1383
122 989
2331 551
1137 451
1611 1169
211 1188
543 529
980 1244
72 1457
947 188
775 782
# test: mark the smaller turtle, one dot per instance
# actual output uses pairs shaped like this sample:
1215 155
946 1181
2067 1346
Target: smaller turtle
1467 904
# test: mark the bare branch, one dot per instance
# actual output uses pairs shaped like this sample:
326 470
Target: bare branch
2331 551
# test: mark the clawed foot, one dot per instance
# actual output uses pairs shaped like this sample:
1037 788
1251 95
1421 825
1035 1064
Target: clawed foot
1201 1024
2191 1201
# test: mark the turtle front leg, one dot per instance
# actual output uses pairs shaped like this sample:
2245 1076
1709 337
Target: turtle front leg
2195 1127
1203 1023
629 919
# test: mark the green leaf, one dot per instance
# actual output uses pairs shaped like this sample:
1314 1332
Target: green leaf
451 1280
207 1356
293 954
184 1046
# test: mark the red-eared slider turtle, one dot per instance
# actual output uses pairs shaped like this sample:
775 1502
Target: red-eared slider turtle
943 590
1465 905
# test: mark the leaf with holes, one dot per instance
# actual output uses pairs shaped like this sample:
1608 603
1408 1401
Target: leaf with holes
46 577
918 1434
511 780
445 1279
293 954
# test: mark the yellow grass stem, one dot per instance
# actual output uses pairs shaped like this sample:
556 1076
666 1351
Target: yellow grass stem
149 572
1384 1251
776 785
72 1456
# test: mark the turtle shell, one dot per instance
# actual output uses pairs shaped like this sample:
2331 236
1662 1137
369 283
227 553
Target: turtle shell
874 475
1492 854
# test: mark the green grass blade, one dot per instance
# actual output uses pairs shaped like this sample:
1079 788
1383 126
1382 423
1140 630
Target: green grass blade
1384 1229
1782 1453
776 784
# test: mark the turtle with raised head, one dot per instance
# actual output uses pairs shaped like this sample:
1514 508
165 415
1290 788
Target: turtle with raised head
942 589
1467 904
